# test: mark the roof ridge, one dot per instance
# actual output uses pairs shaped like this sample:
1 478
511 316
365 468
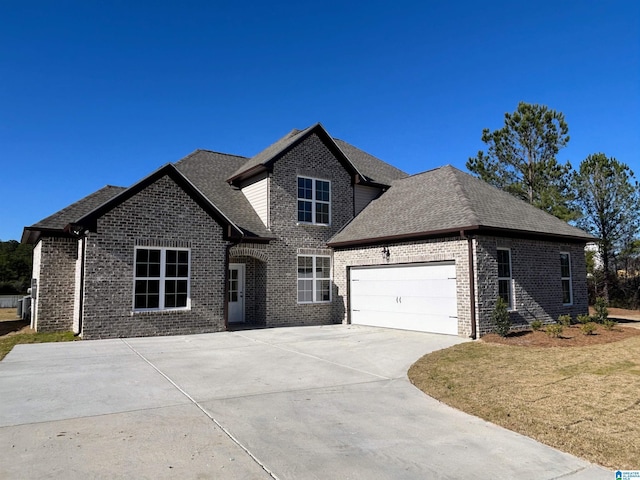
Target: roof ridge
197 150
219 153
462 194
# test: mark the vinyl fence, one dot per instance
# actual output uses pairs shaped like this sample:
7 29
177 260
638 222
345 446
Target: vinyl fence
9 301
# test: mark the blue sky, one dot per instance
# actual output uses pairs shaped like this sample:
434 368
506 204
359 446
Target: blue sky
95 93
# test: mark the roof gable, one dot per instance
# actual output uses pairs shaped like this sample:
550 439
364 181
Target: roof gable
363 167
446 201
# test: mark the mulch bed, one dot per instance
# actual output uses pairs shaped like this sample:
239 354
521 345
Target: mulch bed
570 337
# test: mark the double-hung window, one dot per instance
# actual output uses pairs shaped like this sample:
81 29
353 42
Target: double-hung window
314 279
314 201
505 288
565 275
161 279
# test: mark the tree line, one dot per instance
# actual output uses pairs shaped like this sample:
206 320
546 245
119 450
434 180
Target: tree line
601 195
15 267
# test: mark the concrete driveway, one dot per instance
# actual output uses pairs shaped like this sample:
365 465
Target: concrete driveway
324 403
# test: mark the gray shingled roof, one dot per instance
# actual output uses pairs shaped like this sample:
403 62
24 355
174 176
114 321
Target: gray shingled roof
447 199
271 151
59 220
372 169
208 171
69 214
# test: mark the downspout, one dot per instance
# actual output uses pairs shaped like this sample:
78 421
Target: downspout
472 285
225 305
83 239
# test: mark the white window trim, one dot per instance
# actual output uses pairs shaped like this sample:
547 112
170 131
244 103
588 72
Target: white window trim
570 278
315 279
161 278
512 303
313 200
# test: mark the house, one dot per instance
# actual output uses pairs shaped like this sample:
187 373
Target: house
310 231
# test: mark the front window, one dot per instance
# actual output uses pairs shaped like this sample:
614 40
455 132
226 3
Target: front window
314 279
314 201
565 274
504 277
161 279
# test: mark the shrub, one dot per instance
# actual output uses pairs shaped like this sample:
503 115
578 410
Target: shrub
554 330
588 328
536 325
609 324
500 318
564 320
602 312
584 319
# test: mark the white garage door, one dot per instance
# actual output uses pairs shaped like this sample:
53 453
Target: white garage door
410 297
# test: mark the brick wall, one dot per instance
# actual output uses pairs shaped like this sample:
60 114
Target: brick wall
160 215
54 268
537 288
311 158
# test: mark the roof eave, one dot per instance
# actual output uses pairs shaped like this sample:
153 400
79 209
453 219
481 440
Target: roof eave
471 229
252 172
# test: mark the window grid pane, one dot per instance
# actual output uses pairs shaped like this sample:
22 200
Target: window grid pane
156 268
314 284
566 291
305 211
314 201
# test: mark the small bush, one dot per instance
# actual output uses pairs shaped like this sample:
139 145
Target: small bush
500 318
536 325
564 320
588 328
602 312
554 330
584 319
609 324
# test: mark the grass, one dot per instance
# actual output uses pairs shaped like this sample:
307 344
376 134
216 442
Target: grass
9 341
582 400
8 314
12 333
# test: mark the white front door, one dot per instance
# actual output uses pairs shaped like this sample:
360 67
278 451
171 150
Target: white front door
236 293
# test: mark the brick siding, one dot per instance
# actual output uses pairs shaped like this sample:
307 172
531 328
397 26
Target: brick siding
54 268
160 215
310 158
537 287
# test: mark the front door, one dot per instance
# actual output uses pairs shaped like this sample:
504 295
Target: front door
236 293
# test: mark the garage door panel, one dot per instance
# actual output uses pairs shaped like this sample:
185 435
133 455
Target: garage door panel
414 297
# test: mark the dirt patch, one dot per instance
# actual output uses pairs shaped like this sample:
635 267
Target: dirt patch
13 327
570 337
10 324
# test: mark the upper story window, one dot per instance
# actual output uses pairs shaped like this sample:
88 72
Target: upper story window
505 288
161 279
314 201
565 275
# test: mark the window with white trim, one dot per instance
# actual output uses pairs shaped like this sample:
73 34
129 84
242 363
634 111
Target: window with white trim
565 275
314 279
161 279
314 201
505 284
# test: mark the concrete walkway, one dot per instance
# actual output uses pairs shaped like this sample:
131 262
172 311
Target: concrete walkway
294 403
